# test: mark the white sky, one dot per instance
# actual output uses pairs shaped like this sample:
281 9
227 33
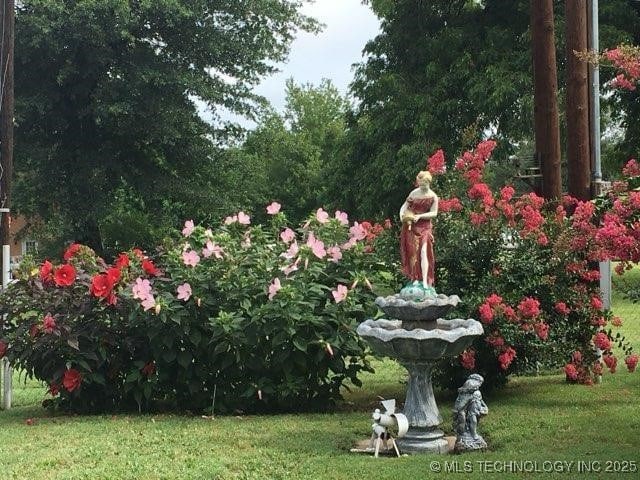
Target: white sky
349 25
329 54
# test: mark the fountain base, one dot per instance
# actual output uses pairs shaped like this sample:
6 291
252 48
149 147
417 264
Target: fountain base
424 440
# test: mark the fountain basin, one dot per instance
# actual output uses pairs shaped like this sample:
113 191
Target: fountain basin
427 310
449 338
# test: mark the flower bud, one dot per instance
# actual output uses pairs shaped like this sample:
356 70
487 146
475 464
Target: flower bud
354 284
157 309
198 301
329 349
259 394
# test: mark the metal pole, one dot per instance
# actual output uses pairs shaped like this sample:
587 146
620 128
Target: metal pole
6 367
596 137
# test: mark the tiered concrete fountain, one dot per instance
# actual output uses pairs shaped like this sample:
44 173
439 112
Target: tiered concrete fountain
417 337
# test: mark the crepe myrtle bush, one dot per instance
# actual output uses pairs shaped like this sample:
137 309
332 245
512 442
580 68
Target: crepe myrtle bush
238 317
527 269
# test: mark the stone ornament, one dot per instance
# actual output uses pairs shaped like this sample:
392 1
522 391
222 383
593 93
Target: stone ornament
467 411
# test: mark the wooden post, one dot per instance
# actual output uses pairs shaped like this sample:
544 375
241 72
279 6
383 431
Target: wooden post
7 13
578 139
547 129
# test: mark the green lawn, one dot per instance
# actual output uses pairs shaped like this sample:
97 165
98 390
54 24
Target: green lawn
536 419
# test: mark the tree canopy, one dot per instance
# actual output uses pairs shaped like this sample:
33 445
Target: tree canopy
108 133
439 75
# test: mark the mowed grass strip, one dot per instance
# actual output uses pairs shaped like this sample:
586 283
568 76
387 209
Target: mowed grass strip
536 419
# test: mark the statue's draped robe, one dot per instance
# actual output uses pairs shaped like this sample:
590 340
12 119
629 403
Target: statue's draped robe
413 236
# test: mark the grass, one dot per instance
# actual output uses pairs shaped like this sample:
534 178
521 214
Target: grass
534 419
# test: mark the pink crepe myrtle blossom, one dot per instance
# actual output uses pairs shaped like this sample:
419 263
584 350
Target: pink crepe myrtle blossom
190 258
340 293
342 217
274 288
188 229
273 208
184 291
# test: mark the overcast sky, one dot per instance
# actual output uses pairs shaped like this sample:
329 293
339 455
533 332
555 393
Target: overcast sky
330 53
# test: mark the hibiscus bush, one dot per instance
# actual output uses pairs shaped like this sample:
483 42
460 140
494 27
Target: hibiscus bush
527 269
240 317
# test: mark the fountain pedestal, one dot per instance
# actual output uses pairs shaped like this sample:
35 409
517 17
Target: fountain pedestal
419 345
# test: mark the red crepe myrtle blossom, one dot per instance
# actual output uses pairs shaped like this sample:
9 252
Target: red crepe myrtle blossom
71 379
571 371
436 163
562 308
602 341
542 330
449 205
46 272
506 357
529 307
631 361
468 359
65 275
486 314
611 362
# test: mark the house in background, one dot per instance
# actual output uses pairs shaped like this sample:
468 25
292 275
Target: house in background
20 245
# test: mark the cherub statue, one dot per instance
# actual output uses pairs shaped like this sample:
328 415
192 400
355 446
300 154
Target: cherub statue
416 238
468 409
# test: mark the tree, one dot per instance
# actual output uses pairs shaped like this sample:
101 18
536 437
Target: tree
439 75
290 150
108 129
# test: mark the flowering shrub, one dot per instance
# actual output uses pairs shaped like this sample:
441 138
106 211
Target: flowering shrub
525 268
242 316
626 60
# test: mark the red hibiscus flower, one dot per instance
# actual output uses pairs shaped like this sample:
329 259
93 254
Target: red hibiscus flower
65 275
71 379
149 369
113 274
150 268
3 348
100 286
54 389
46 272
71 251
122 261
48 324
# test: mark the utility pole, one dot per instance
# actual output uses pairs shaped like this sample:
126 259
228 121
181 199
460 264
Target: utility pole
578 138
547 128
7 20
7 13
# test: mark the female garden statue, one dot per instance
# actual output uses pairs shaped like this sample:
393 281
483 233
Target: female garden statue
416 238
